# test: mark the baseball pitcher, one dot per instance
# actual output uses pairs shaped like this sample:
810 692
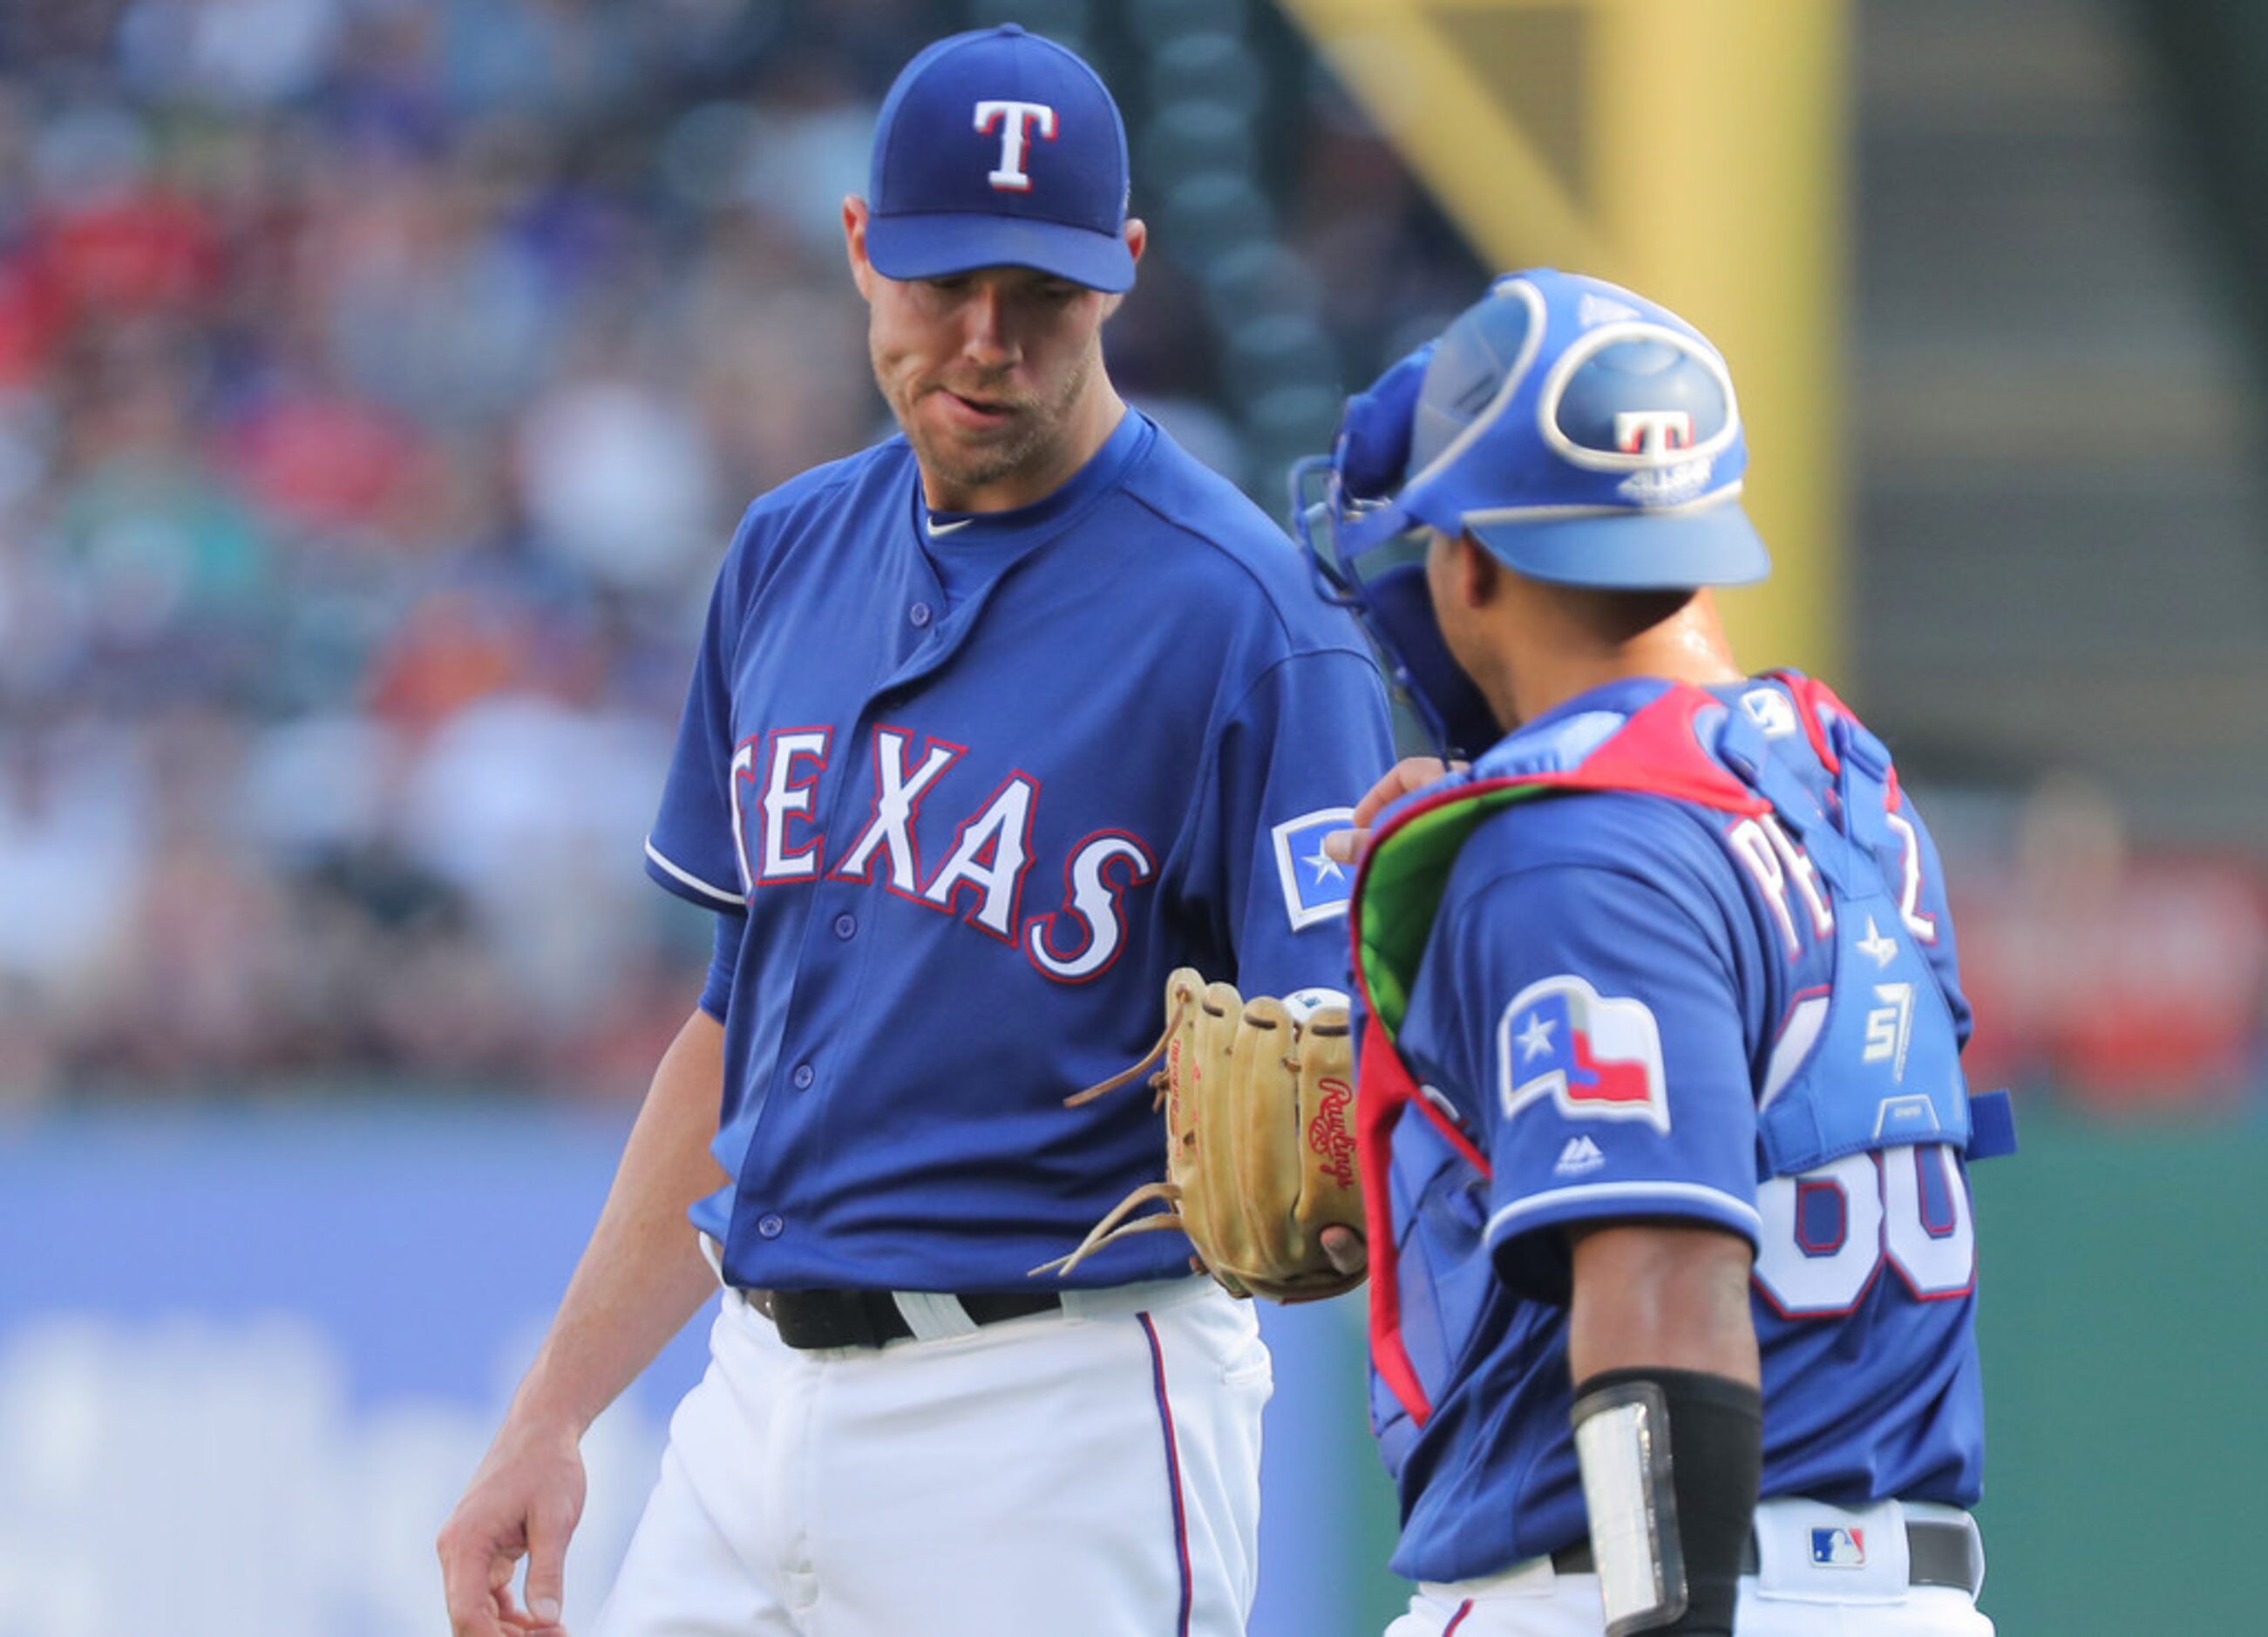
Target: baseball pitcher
993 728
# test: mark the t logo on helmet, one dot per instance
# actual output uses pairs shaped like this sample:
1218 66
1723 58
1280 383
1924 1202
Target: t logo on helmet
1653 431
1017 122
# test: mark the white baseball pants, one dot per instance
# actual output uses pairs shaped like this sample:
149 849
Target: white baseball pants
1789 1597
1096 1470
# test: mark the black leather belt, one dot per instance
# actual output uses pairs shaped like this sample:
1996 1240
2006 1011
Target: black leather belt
870 1319
1938 1553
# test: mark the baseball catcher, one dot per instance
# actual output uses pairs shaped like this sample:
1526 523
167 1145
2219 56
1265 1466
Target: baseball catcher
1260 1150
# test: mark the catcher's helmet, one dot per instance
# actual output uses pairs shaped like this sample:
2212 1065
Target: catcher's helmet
1582 433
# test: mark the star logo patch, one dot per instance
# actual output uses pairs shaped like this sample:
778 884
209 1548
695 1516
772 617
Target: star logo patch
1315 885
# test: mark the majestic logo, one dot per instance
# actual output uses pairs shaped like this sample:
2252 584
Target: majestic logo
1580 1156
1315 884
1839 1548
1016 121
1594 1056
1330 1137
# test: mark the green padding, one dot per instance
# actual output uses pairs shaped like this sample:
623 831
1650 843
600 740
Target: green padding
1401 892
2123 1317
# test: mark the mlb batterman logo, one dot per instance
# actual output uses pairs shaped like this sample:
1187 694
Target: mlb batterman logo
1838 1548
1596 1057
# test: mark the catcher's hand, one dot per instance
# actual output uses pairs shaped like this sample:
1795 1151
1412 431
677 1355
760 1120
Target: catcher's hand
1260 1154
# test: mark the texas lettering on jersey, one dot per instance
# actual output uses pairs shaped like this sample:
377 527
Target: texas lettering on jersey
980 878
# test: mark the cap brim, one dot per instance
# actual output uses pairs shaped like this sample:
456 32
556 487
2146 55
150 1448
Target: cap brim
1636 552
938 245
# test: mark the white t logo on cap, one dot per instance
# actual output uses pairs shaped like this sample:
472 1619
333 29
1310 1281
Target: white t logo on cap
1653 431
1017 121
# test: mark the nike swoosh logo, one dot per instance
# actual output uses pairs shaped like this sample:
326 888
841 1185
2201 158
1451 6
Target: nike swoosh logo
935 529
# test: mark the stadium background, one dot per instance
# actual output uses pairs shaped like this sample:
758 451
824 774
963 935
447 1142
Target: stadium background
378 380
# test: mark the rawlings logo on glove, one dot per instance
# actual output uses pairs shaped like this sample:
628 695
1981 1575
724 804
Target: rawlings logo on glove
1260 1154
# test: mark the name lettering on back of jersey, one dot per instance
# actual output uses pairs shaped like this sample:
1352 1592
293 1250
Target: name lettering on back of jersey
1922 926
1786 875
779 833
1594 1056
1315 885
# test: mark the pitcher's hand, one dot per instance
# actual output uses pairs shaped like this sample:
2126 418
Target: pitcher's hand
1409 773
524 1501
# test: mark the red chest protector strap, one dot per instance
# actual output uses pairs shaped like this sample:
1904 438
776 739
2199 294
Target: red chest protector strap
1397 894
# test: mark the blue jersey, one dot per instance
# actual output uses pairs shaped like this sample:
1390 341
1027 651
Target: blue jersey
1691 960
969 790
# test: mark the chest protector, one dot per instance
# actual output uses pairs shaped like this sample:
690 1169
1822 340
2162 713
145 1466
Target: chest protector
1686 745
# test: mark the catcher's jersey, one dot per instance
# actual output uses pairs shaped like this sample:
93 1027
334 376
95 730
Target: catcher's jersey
1633 1005
972 787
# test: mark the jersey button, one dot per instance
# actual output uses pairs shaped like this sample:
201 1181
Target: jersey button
804 1077
845 925
919 614
770 1227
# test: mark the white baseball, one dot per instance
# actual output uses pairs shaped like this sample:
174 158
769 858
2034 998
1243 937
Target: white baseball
1303 1004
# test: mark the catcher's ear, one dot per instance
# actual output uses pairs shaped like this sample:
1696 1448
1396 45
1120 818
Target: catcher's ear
1478 573
1462 572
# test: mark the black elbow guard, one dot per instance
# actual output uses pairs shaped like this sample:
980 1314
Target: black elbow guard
1670 1462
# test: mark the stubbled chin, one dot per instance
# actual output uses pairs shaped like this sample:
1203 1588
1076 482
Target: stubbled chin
966 460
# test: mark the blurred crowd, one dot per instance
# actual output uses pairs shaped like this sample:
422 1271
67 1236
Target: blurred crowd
379 381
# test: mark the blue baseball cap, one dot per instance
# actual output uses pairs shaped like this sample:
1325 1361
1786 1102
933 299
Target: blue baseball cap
1585 435
997 148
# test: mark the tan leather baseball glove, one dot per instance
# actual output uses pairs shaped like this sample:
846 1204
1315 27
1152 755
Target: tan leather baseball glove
1260 1155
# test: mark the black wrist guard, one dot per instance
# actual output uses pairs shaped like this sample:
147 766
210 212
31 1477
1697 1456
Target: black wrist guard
1670 1461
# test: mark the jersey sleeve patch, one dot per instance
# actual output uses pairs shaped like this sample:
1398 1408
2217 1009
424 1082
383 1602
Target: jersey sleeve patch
1315 885
1594 1056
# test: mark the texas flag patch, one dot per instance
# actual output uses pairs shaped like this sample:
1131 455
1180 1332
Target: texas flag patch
1594 1056
1315 885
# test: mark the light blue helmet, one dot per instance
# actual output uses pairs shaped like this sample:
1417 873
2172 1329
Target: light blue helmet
1585 435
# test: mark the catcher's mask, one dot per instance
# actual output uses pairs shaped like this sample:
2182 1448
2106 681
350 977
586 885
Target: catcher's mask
1585 435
